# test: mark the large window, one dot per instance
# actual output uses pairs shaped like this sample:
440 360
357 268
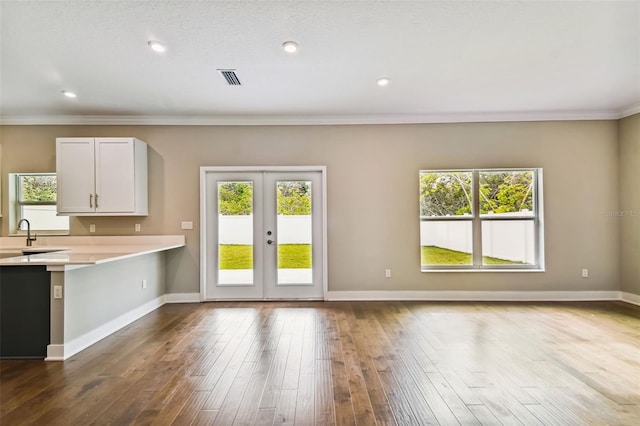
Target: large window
35 196
481 219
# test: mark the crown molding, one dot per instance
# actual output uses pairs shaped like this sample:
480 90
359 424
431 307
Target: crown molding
632 110
300 120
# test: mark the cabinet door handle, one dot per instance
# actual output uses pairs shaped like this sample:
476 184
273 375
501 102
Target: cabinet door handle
96 201
91 200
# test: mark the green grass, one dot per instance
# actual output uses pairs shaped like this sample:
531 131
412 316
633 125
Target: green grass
294 256
236 256
432 255
240 256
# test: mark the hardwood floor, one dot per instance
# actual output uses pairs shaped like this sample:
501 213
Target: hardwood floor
406 363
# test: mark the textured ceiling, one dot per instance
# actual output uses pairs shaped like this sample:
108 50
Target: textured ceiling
447 60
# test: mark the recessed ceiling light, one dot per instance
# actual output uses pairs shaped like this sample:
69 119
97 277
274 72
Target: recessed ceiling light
69 94
383 81
156 46
290 46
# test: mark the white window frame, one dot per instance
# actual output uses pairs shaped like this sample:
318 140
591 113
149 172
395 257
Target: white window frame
16 205
477 219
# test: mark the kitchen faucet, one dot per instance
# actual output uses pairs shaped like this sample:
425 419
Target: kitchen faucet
30 239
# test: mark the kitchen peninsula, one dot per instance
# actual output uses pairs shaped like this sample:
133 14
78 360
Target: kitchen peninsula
95 286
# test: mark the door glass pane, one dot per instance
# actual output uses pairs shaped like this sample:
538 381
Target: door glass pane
294 236
235 233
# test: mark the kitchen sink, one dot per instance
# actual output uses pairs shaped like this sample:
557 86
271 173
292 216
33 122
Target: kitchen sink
6 254
39 250
15 252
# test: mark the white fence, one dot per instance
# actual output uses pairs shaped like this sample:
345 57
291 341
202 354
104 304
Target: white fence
509 239
292 229
44 218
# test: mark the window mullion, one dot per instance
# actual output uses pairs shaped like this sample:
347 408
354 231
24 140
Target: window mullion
476 223
536 221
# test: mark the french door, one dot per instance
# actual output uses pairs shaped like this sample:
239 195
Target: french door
263 233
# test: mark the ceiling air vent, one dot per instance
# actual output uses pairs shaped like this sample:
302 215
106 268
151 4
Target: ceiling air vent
231 77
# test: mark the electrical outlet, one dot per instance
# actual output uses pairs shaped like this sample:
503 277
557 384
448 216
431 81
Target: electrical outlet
57 292
137 227
387 273
186 225
585 273
144 284
92 228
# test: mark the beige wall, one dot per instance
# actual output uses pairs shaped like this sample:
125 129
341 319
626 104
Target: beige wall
629 136
372 190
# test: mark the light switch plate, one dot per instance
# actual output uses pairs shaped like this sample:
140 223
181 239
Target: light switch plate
186 225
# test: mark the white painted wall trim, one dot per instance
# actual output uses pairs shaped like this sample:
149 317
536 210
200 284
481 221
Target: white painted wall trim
204 170
631 110
304 120
68 349
479 296
62 352
531 296
55 353
182 298
630 298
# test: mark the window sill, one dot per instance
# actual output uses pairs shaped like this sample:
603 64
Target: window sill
484 270
41 233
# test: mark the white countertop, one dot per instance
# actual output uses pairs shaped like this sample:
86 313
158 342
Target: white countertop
84 250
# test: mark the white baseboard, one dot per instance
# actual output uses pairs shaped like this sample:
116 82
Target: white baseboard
630 298
182 297
68 349
57 352
479 296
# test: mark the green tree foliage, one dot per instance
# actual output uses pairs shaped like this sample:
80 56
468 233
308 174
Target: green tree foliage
294 198
38 188
445 193
235 198
505 192
449 193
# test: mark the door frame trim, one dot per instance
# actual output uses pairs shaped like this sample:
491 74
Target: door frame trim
204 170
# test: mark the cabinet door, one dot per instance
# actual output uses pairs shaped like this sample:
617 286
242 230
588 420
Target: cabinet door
115 175
75 170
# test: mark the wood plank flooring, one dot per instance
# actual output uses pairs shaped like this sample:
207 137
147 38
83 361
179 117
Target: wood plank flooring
344 363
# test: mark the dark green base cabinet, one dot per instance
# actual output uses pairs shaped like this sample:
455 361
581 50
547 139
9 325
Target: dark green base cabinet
24 311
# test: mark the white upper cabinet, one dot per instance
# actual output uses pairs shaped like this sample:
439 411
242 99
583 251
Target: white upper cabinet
75 171
101 176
